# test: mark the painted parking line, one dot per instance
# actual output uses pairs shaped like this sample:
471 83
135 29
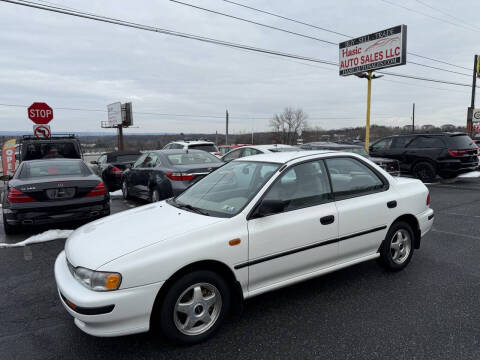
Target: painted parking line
456 234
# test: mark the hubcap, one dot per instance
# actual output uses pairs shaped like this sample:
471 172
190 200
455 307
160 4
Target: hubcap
197 309
400 246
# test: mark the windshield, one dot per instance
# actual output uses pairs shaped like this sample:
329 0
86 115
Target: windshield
39 169
226 191
204 147
192 158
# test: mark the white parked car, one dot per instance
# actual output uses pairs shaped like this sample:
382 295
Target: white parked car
252 226
204 145
250 150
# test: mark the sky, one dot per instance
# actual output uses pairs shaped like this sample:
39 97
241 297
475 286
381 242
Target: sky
71 62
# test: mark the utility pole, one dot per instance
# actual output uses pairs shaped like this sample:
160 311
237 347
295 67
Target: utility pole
472 104
216 137
413 118
226 129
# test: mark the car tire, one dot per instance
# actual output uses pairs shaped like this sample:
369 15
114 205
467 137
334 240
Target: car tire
9 229
154 196
396 250
125 191
424 171
188 314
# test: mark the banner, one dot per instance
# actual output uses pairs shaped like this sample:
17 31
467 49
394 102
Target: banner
8 157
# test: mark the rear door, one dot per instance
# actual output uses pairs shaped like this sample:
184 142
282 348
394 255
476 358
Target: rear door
301 238
424 148
365 205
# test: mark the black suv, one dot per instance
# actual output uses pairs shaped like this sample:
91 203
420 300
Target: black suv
428 155
56 146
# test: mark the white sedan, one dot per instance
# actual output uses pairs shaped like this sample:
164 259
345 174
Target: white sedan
250 150
252 226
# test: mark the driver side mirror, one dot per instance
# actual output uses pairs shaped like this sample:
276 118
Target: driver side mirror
5 177
94 162
268 207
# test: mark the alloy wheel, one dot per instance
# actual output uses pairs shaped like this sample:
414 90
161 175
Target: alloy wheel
400 246
197 309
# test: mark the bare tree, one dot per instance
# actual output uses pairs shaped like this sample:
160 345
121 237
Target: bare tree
288 125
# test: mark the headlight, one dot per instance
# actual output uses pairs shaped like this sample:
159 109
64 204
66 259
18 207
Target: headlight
96 280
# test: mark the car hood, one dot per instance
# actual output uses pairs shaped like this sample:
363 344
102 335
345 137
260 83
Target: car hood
109 238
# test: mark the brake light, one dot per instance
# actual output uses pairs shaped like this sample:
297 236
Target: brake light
218 153
16 196
98 190
115 171
428 199
457 152
178 176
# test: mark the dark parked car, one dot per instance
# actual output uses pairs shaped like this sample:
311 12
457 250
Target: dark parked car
161 174
428 155
389 165
61 146
51 191
110 167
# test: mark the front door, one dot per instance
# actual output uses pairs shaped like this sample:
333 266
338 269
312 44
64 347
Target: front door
299 239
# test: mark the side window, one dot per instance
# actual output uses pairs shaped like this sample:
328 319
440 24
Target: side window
384 144
350 177
423 142
102 159
179 146
232 155
302 186
140 161
401 142
250 151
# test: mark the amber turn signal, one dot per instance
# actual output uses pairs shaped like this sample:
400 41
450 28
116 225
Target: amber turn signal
234 242
112 281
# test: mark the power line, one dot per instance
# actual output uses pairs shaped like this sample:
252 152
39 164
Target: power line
255 23
446 13
329 30
427 15
203 39
296 33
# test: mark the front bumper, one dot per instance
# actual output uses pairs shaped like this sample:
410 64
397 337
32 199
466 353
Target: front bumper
425 221
54 214
131 309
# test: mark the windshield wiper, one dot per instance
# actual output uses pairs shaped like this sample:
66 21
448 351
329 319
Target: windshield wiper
190 208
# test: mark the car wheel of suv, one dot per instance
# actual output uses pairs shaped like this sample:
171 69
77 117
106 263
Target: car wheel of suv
396 250
424 171
194 307
125 194
9 229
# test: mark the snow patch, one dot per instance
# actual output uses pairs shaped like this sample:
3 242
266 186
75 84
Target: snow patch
39 238
116 194
472 174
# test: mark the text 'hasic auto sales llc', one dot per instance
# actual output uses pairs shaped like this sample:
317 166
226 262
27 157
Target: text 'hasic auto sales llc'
374 51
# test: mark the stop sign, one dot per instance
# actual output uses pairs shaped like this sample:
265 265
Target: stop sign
40 113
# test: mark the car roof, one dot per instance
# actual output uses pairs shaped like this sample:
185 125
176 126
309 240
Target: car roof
333 145
284 157
52 159
430 134
123 152
192 142
271 146
177 151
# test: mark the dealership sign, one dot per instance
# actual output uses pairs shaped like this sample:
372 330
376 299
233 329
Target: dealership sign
375 51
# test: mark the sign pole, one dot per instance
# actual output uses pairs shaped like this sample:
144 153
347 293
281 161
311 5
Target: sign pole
472 104
369 99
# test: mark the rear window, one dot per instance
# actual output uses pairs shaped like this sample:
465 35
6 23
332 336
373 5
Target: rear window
50 150
192 158
460 142
204 147
123 158
53 168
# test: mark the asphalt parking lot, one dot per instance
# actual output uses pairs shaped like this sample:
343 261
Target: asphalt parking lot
428 311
